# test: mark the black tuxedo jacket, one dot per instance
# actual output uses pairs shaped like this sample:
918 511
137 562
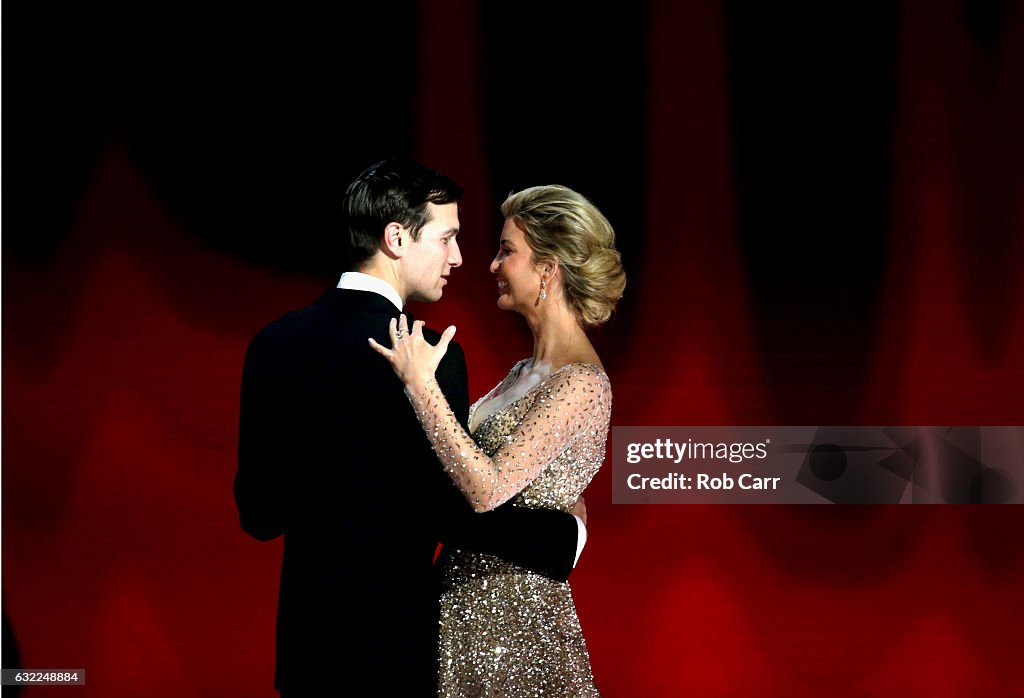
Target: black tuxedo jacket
332 457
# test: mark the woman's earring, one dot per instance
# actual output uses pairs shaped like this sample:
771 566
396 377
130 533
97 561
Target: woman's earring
543 289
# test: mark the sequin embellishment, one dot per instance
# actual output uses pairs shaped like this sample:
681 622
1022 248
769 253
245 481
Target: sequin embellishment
506 631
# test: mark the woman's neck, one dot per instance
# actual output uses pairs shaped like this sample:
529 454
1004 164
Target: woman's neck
558 338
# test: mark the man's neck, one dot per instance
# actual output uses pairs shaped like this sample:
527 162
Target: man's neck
385 269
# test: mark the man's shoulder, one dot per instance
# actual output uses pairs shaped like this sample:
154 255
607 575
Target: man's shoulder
291 327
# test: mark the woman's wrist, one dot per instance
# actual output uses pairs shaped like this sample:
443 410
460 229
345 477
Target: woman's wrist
418 386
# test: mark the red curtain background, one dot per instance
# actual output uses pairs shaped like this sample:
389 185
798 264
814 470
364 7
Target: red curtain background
822 218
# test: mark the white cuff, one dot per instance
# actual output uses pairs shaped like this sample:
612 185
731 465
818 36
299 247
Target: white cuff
581 539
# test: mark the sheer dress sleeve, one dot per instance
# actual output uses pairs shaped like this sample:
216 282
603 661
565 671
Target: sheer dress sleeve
565 406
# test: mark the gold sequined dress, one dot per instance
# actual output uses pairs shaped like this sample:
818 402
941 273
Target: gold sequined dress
506 631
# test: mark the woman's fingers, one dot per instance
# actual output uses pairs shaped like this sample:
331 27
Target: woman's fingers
407 347
446 337
382 350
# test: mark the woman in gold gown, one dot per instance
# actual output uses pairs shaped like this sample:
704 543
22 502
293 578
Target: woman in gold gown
538 438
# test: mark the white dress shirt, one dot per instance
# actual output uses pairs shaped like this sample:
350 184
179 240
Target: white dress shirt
357 281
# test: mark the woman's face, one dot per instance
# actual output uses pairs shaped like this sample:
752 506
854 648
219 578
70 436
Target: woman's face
518 277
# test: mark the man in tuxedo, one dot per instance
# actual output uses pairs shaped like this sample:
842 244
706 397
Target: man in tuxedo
331 456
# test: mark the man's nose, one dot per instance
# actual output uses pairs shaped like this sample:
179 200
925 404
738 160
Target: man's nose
454 254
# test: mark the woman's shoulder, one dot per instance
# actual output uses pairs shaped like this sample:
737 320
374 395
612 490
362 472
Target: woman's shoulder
589 373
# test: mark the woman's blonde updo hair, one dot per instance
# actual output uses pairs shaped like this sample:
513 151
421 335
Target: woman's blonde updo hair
560 224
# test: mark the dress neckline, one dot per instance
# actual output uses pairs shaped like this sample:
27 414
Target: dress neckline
518 369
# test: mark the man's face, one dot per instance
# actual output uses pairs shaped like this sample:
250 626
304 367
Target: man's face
429 260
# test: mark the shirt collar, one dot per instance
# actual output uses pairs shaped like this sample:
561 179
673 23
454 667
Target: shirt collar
357 281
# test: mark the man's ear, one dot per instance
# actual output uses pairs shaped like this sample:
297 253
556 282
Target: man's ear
395 240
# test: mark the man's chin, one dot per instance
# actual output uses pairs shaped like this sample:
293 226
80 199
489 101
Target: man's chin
431 297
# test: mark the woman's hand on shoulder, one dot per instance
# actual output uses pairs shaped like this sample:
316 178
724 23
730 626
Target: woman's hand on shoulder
411 356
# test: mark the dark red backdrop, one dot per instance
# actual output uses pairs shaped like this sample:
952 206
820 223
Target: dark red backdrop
822 217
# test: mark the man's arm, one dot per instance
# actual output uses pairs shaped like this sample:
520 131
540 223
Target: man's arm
265 416
540 540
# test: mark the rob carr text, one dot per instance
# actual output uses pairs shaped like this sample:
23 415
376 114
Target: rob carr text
702 481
